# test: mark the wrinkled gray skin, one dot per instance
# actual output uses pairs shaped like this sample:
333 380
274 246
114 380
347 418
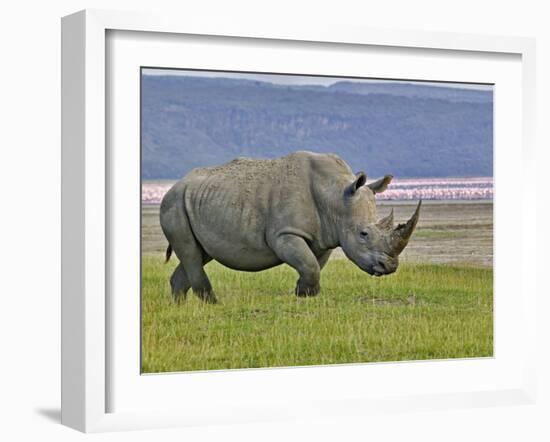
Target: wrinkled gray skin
255 214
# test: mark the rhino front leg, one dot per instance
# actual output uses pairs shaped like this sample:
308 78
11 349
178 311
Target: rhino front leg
294 250
323 259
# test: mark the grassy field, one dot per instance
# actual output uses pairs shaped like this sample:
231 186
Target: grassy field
438 305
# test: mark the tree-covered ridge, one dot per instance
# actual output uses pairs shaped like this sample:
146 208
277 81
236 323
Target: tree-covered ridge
407 130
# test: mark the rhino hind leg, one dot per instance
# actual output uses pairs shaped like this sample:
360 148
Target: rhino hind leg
294 250
201 284
180 284
190 271
190 274
192 261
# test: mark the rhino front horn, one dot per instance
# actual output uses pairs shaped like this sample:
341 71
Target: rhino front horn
401 234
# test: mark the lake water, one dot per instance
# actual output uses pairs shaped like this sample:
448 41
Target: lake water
476 188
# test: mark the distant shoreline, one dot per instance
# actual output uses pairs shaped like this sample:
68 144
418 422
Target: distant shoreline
400 190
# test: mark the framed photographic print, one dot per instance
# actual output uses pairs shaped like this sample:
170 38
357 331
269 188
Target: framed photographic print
269 223
253 197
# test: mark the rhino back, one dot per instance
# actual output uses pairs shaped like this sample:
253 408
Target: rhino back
237 209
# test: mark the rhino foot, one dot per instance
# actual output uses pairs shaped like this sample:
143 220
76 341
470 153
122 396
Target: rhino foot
303 290
207 296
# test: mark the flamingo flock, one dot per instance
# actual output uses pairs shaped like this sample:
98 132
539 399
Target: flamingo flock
476 188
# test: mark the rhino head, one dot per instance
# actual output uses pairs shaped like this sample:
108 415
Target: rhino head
373 245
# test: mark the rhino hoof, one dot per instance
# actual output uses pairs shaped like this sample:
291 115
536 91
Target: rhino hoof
304 291
179 297
208 297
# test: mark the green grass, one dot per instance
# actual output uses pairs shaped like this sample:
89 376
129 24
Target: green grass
420 312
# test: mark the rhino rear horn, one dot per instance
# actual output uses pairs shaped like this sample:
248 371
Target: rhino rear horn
401 234
386 223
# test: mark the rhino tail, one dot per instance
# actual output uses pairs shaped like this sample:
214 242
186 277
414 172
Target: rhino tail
168 253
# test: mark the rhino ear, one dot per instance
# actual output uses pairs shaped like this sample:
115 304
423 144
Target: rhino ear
360 180
380 185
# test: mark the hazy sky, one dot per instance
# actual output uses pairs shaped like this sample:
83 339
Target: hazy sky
302 79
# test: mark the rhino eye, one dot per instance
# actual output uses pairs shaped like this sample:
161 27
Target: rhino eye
363 234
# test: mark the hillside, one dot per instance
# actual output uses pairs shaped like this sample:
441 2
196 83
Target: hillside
403 129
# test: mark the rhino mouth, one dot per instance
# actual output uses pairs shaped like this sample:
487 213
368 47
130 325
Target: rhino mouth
377 271
380 270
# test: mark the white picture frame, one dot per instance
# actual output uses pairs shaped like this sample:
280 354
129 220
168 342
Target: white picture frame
86 356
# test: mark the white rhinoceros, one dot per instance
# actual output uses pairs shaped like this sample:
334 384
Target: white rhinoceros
255 214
